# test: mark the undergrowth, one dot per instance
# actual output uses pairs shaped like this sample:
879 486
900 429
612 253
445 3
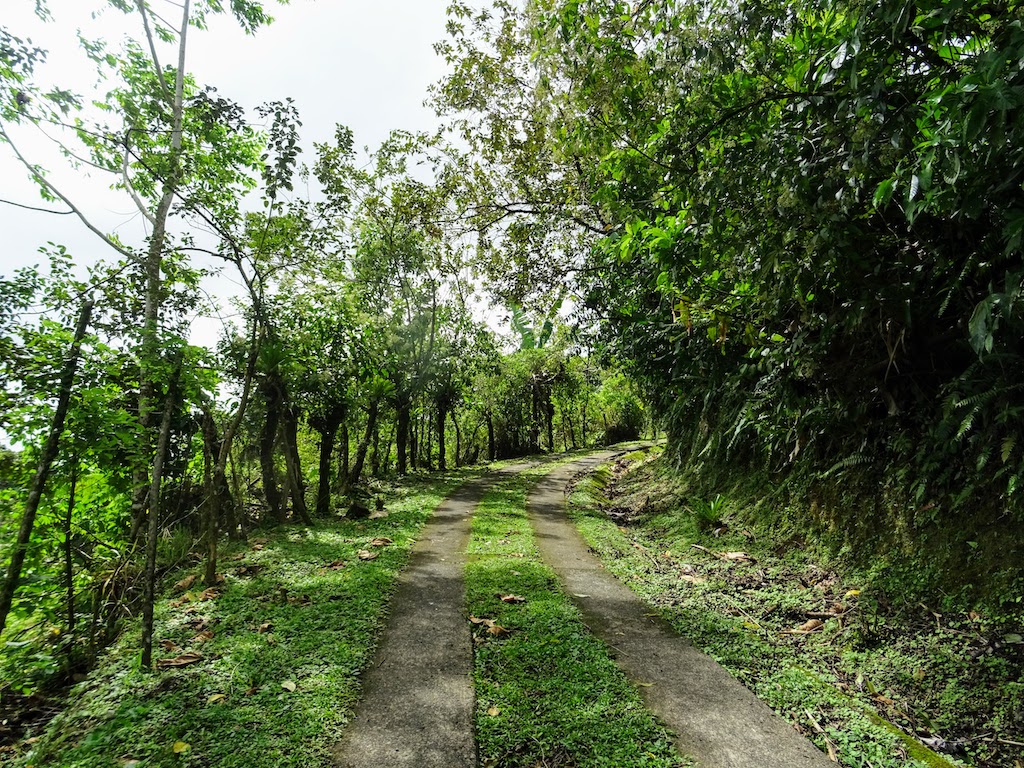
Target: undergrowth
868 675
269 660
548 694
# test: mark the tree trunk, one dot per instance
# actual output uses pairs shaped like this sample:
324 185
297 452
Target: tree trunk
28 518
442 412
218 503
549 417
375 452
268 440
149 584
323 487
402 434
490 438
364 444
296 486
344 460
69 565
458 439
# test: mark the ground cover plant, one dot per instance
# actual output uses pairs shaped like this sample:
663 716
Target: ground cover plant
548 694
261 670
869 674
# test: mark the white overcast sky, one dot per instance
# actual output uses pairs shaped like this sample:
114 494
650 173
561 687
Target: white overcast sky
364 63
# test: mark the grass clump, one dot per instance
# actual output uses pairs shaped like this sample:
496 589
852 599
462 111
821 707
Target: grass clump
280 644
547 691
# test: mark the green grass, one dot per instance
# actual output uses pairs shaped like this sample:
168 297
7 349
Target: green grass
548 694
869 679
283 616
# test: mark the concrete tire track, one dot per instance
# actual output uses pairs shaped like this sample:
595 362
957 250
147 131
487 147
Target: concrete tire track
416 709
716 720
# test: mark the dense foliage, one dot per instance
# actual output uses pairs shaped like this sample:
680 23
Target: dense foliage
810 248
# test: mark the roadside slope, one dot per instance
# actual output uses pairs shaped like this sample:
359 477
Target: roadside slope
716 719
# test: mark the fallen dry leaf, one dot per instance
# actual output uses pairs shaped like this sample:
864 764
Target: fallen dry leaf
289 685
811 625
336 565
257 547
493 711
512 599
497 630
265 627
693 579
365 554
736 557
170 646
203 636
186 583
381 541
210 593
486 622
181 661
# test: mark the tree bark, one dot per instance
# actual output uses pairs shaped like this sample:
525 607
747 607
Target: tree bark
402 434
442 412
69 565
490 437
268 440
149 585
364 444
50 449
296 486
458 439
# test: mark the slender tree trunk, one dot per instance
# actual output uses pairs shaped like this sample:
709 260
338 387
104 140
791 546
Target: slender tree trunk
268 439
50 448
294 468
375 452
149 585
344 460
414 442
364 444
490 437
442 412
218 502
458 439
402 434
236 486
69 565
323 488
549 418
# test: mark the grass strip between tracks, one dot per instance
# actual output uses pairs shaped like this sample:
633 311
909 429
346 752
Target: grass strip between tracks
548 693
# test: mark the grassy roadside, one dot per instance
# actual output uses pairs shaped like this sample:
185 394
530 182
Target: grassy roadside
840 662
548 694
264 668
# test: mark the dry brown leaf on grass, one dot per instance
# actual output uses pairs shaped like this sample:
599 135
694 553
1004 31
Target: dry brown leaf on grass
170 646
497 630
265 627
493 711
511 598
186 584
191 657
204 636
365 554
381 541
337 565
811 625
